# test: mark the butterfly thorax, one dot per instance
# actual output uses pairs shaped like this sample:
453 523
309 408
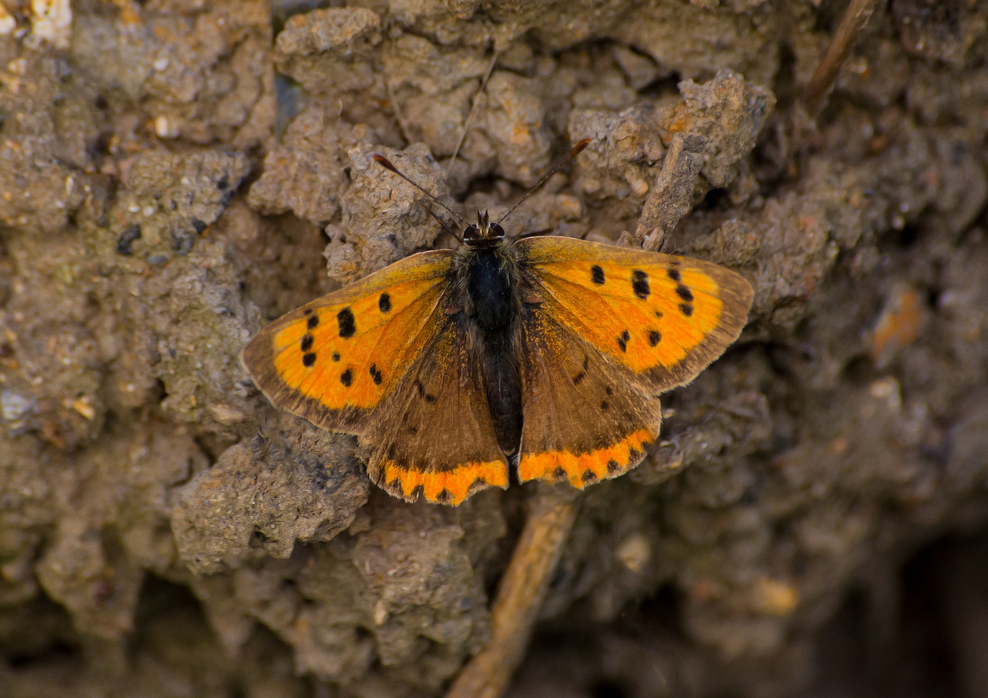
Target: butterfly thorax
488 275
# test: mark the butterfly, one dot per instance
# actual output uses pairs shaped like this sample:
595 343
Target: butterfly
546 353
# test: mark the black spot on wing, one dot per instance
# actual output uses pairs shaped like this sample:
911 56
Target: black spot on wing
444 497
605 405
597 275
654 337
417 492
347 323
558 474
307 342
308 359
686 309
376 374
347 378
336 356
674 275
623 340
384 302
313 321
684 293
478 484
588 477
639 283
583 372
613 467
308 311
422 394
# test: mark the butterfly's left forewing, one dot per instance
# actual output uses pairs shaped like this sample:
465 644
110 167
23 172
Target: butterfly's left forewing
663 317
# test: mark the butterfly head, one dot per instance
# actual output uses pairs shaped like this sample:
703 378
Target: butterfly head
484 233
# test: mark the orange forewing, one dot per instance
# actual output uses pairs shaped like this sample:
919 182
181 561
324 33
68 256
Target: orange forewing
663 317
341 354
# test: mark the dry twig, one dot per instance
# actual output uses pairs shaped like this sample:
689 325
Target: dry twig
520 594
856 15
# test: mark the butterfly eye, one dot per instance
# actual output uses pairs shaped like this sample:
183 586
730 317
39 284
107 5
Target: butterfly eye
497 231
471 232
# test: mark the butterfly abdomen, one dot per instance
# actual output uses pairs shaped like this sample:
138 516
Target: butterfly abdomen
493 311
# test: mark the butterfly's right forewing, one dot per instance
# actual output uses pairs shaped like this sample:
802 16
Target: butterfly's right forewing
333 360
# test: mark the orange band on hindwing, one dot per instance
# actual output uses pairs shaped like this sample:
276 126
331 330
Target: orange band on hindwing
448 487
586 468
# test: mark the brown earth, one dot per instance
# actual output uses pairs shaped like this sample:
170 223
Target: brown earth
175 173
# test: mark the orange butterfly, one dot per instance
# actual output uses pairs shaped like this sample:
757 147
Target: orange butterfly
548 353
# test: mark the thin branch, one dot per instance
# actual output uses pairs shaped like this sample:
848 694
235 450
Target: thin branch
397 110
520 594
671 196
473 110
856 15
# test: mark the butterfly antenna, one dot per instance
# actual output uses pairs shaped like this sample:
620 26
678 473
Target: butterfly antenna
386 164
445 226
577 149
473 110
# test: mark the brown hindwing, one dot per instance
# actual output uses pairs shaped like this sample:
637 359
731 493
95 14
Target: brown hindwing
434 434
585 417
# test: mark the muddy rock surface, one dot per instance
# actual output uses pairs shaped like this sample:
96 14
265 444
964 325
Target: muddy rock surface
174 174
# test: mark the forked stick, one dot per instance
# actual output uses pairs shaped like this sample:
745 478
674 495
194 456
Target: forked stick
520 594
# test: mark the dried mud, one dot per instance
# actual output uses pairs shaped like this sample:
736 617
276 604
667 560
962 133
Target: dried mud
175 173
